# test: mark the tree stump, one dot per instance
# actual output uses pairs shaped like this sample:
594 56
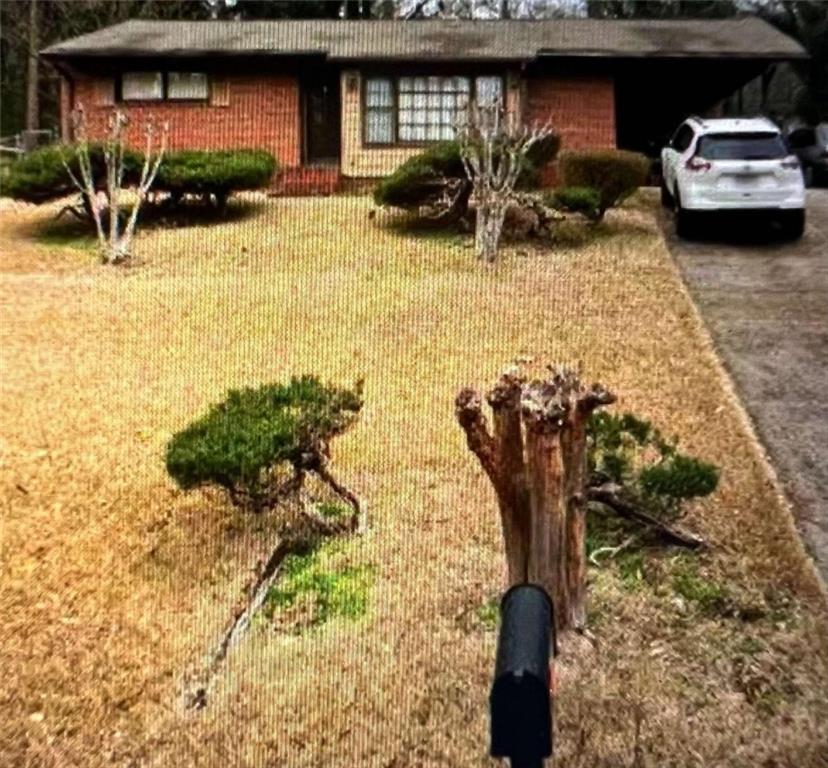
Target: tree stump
535 457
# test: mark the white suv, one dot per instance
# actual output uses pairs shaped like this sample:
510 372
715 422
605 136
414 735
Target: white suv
732 165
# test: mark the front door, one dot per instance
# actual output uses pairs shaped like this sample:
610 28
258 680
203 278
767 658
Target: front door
321 97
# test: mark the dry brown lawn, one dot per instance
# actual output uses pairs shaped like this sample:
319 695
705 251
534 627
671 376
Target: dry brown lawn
115 585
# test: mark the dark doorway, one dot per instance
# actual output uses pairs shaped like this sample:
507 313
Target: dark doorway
322 118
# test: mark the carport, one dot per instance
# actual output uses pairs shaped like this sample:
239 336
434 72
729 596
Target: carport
665 71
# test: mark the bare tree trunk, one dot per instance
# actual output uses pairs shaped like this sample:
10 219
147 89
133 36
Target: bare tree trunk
33 71
114 244
493 148
489 225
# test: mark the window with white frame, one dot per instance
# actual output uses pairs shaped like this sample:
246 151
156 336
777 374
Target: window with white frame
417 109
187 85
142 86
379 111
158 86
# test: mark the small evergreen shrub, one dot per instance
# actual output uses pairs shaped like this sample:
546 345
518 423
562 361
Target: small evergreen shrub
614 173
583 200
421 176
219 173
679 477
240 443
422 179
40 175
629 451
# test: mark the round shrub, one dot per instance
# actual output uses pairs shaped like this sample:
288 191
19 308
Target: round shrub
423 179
421 176
615 173
240 441
583 200
219 173
40 176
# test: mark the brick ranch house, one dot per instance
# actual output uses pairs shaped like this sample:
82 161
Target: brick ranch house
339 101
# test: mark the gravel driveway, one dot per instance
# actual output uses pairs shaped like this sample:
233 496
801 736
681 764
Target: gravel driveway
766 304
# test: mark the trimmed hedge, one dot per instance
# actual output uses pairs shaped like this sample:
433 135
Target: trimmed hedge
40 176
614 173
422 178
217 173
583 200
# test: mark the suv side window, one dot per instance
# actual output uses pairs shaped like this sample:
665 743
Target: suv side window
682 138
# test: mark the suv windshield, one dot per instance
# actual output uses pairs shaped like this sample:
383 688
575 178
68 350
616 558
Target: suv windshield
742 146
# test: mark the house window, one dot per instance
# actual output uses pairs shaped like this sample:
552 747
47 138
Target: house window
429 107
160 86
416 109
379 111
187 85
142 86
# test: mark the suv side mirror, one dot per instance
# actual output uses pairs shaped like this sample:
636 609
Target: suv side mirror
520 700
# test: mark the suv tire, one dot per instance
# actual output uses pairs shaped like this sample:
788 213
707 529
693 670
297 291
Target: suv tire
685 220
793 224
666 197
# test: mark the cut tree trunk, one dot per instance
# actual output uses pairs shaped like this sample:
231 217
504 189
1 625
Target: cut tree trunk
536 461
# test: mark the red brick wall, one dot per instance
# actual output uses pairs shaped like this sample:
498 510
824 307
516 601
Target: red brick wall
581 109
262 113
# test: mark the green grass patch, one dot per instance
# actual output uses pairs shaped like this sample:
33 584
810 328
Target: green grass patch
488 614
313 588
333 510
709 596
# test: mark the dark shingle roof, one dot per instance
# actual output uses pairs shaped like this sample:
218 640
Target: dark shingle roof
744 37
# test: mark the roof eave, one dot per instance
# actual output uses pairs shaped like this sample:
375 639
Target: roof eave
717 55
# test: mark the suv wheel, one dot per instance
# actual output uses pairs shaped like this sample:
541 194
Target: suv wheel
685 220
793 224
666 197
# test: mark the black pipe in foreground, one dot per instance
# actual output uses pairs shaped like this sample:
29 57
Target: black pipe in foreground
520 700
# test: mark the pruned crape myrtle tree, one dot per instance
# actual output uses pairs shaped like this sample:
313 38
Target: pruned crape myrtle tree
494 147
549 454
114 235
260 445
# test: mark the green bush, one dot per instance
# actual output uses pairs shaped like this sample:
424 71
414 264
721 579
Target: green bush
422 179
240 442
421 176
615 173
680 477
219 173
40 176
583 200
629 451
